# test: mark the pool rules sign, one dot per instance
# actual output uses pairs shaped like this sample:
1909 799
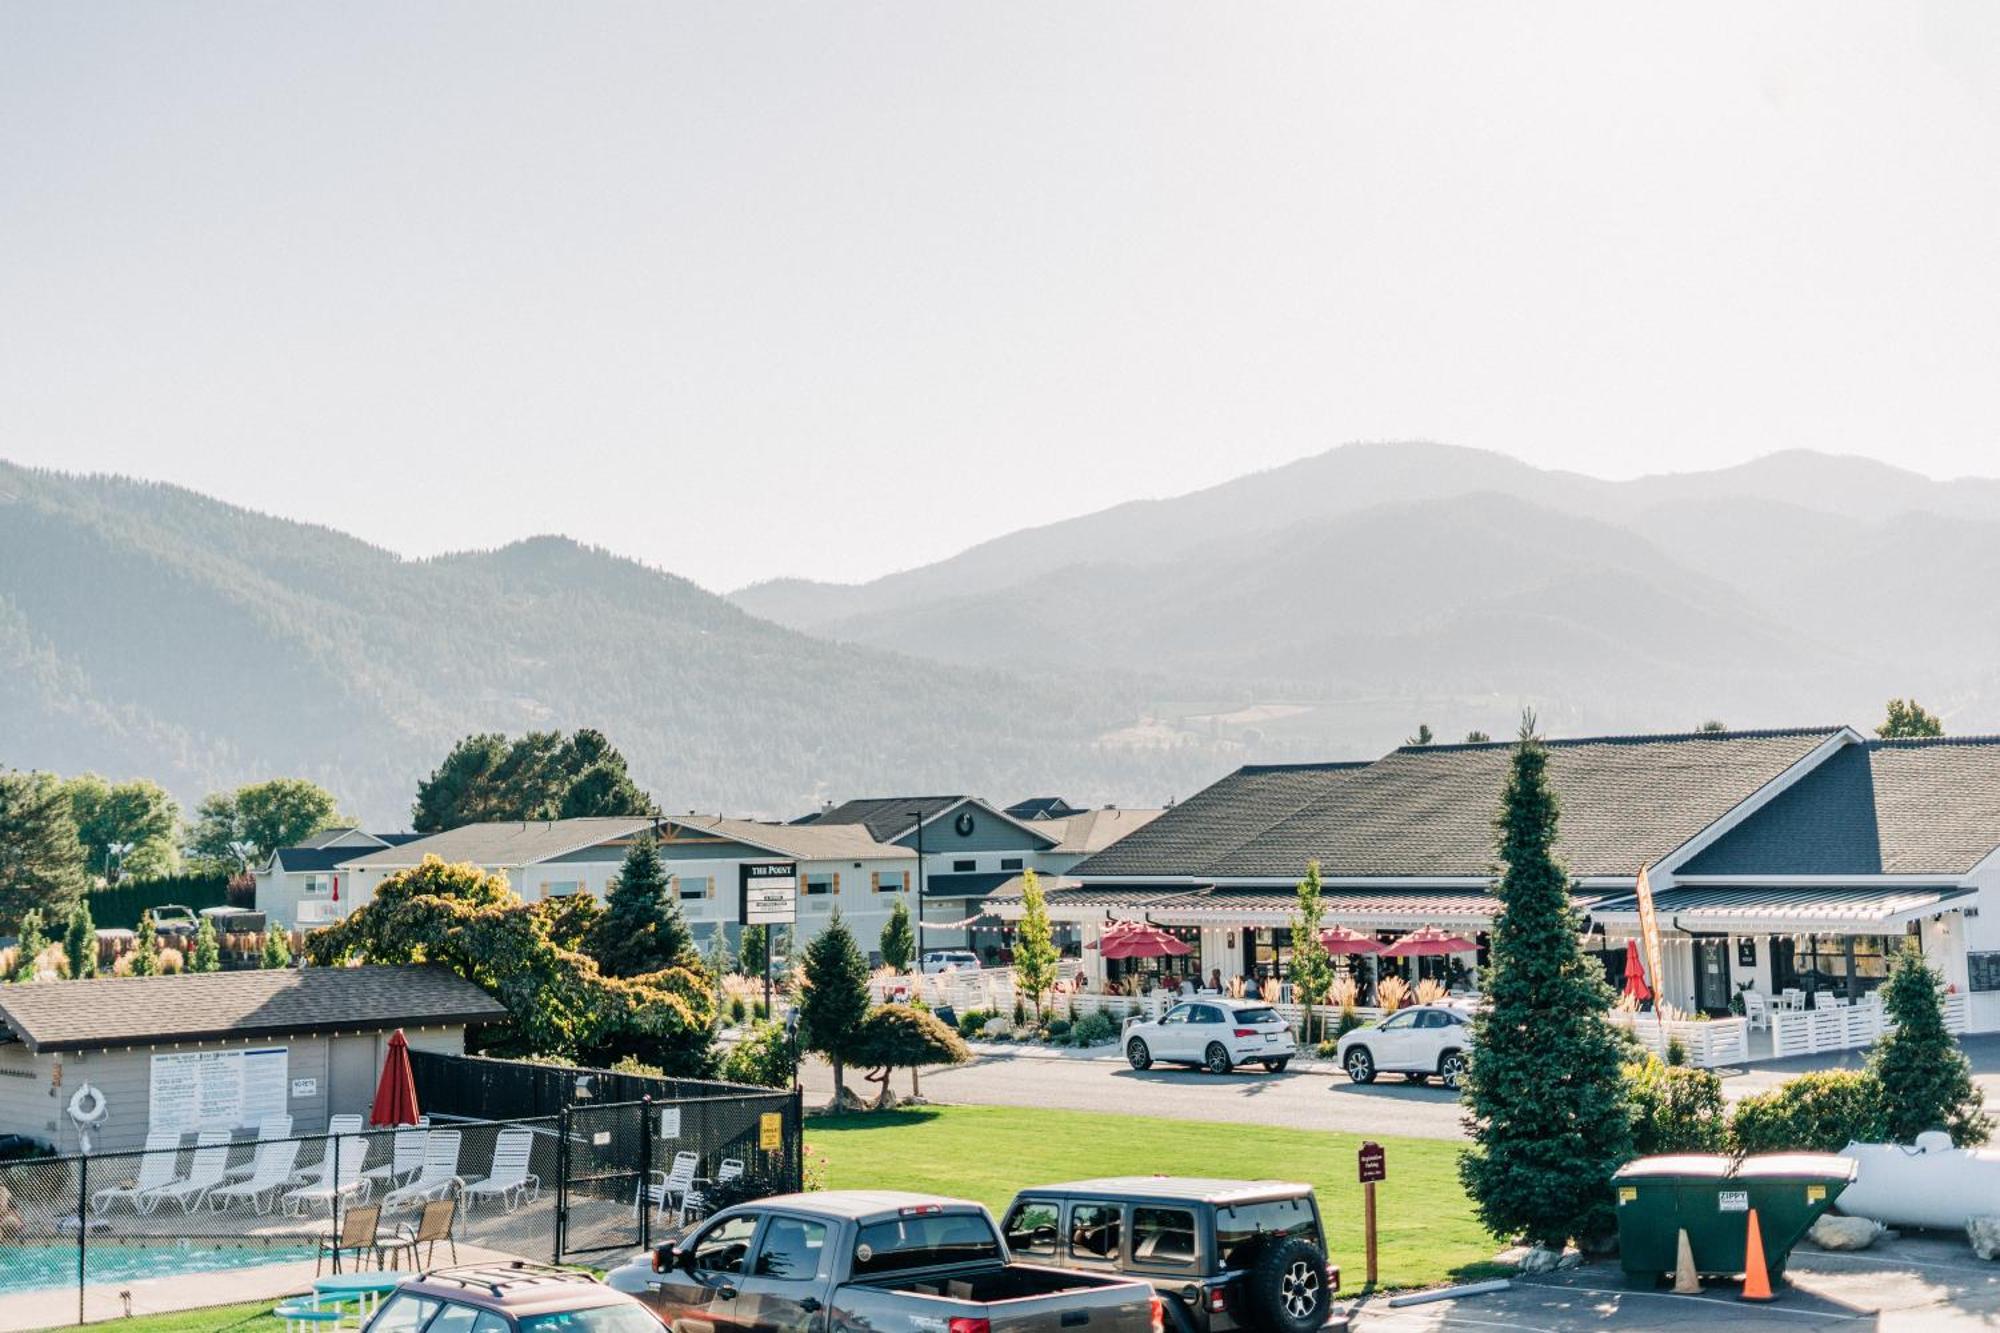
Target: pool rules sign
770 893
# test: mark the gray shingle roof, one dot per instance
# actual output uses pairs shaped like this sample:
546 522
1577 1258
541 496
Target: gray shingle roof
807 842
886 817
1904 807
218 1006
513 843
1428 811
1092 831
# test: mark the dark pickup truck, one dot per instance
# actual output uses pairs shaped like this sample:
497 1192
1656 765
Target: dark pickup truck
864 1261
1222 1254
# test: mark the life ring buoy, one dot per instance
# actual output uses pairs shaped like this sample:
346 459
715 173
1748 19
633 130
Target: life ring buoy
87 1106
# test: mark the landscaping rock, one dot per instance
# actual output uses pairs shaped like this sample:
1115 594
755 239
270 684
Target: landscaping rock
848 1101
1984 1233
998 1027
1537 1259
1831 1232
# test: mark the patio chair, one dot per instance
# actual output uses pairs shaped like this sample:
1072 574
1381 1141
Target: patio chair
1756 1010
509 1178
668 1187
211 1158
359 1233
436 1178
731 1168
406 1161
336 1126
434 1224
339 1177
272 1172
158 1167
277 1125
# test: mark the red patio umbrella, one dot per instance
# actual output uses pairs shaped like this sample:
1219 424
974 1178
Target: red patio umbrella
1339 940
396 1095
1635 976
1136 939
1428 942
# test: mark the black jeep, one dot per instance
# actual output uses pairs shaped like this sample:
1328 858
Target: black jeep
1225 1254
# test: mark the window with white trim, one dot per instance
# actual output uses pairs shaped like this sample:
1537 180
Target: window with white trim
695 886
319 884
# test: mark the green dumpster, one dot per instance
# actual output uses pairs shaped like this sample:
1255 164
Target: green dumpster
1711 1197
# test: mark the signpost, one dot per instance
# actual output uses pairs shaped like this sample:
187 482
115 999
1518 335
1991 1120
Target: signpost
1374 1164
770 897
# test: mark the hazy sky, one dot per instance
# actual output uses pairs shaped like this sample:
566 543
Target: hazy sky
833 289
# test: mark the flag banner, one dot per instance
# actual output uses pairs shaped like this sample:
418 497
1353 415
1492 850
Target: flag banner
1649 932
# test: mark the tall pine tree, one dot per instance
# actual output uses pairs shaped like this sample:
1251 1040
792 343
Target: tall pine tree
642 929
207 955
1926 1079
33 941
836 999
41 860
80 942
899 941
146 954
1545 1103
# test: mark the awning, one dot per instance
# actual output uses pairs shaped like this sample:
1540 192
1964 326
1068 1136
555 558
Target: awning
967 884
1750 909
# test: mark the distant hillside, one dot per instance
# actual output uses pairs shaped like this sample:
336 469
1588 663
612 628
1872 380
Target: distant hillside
146 629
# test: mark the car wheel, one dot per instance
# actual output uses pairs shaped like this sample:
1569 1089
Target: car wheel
1287 1288
1217 1058
1136 1052
1360 1065
1277 1066
1451 1069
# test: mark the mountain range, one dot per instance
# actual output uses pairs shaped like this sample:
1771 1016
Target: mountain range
1318 610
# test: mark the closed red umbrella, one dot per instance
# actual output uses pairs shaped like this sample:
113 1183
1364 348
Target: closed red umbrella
1635 976
396 1094
1339 940
1428 942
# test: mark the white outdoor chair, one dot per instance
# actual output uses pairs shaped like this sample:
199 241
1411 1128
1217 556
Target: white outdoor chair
211 1158
437 1178
339 1177
158 1167
271 1172
1755 1010
277 1125
407 1160
731 1168
509 1178
336 1126
1792 998
668 1188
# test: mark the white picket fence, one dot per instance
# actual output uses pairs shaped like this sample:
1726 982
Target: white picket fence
1810 1031
1709 1043
993 991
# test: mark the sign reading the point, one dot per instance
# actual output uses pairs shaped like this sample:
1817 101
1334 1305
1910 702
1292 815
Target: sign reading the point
1374 1163
770 892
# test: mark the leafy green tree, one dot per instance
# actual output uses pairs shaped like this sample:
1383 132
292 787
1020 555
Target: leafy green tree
1907 718
41 861
1545 1104
33 941
137 817
899 940
207 955
238 830
642 929
80 942
902 1036
754 951
277 949
1926 1079
1035 956
1311 966
835 999
762 1059
1424 735
146 953
543 775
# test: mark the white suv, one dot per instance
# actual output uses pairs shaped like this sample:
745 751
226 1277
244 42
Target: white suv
949 960
1420 1041
1217 1034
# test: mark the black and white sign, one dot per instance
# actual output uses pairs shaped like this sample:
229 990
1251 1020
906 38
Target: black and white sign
770 893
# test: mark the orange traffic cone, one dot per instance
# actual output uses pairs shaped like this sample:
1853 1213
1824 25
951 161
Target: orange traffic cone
1756 1280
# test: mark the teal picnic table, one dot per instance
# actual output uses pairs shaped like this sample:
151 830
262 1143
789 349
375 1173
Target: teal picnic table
365 1290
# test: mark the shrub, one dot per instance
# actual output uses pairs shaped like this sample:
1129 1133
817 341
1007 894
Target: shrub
1817 1112
738 1011
1093 1029
1058 1028
1348 1021
1020 1013
762 1058
1677 1052
972 1022
1926 1079
1675 1109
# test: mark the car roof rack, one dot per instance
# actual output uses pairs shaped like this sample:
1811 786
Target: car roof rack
500 1277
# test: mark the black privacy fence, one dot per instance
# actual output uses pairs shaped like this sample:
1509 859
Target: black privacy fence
199 1219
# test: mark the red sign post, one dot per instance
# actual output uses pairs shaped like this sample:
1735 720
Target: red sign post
1374 1165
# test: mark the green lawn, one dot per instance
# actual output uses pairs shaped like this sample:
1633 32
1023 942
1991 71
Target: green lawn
1424 1221
216 1319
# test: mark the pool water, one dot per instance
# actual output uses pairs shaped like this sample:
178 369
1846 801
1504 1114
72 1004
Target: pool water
35 1267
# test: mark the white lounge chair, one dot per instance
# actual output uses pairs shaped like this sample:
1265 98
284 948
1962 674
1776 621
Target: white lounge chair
336 1125
509 1179
211 1158
277 1125
438 1177
339 1177
158 1167
407 1160
271 1172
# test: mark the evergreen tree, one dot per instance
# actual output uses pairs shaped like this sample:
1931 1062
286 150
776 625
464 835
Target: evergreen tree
33 941
754 950
835 1000
1926 1079
277 949
1035 956
1476 738
642 929
1424 735
899 940
1906 717
1545 1102
207 955
146 954
41 860
1311 966
80 942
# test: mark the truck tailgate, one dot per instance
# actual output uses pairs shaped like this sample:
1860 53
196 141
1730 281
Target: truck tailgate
1086 1301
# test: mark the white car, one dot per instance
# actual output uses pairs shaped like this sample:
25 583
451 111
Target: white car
1217 1034
1420 1041
950 960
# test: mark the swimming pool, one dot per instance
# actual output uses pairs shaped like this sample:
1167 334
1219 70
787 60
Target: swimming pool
37 1267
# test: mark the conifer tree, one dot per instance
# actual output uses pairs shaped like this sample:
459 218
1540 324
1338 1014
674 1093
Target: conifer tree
277 949
899 941
1035 956
1546 1105
146 956
1926 1079
753 951
207 955
33 941
642 929
41 860
836 998
80 942
1311 965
